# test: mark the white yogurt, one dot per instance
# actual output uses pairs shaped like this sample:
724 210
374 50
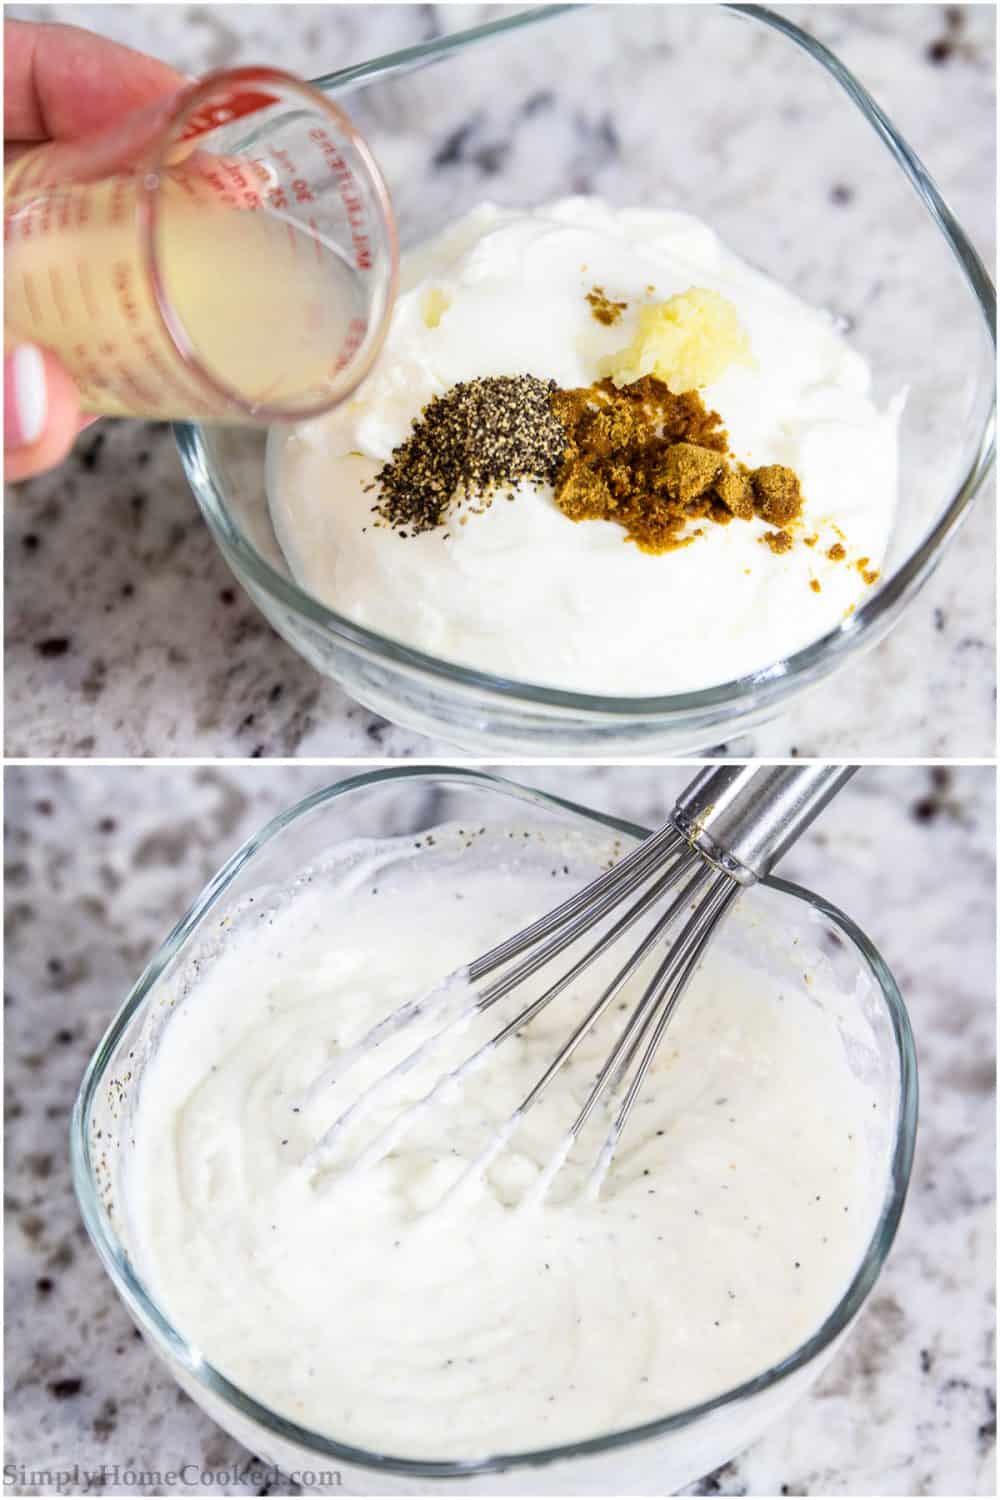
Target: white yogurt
524 592
740 1203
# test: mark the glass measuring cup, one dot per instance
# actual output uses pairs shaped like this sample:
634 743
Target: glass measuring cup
229 256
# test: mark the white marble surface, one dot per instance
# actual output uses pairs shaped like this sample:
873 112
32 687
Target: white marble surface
100 863
125 633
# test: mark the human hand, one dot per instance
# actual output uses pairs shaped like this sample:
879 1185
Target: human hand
61 84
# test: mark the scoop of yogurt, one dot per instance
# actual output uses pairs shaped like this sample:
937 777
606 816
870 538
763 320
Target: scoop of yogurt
386 1310
520 590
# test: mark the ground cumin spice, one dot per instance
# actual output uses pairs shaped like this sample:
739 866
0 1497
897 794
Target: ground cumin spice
602 307
652 462
778 541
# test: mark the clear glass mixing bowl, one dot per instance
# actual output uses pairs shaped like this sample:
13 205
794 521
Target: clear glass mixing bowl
500 113
657 1458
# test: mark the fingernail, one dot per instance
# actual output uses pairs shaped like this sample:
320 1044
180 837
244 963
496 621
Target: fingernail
25 399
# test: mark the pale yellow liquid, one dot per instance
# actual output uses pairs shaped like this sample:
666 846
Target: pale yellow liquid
269 311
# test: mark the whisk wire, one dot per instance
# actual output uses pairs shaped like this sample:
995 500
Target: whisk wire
629 1039
723 894
576 923
656 1010
573 925
645 903
365 1101
655 935
727 829
646 855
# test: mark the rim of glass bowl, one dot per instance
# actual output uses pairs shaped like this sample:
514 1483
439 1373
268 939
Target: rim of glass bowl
144 1306
756 689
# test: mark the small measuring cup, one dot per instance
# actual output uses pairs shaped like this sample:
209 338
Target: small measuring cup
229 256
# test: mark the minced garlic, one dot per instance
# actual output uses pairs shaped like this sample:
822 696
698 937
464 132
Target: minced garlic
687 342
434 304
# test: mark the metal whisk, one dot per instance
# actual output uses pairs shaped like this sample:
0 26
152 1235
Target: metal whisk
727 830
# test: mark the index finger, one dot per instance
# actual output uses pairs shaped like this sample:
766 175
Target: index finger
61 82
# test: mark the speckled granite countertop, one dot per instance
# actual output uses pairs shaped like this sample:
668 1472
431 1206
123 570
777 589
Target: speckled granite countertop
125 632
100 864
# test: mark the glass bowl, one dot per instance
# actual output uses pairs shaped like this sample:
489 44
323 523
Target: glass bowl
658 1457
786 169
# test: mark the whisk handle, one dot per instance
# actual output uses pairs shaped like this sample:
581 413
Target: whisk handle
744 818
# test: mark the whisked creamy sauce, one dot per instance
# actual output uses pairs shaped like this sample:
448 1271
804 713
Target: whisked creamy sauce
386 1309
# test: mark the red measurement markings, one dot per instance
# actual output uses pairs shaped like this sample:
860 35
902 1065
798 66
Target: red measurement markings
215 181
146 390
144 397
229 182
356 330
185 183
21 220
349 196
122 202
25 222
283 159
316 240
43 216
246 194
86 290
224 109
192 403
58 294
121 281
28 286
87 372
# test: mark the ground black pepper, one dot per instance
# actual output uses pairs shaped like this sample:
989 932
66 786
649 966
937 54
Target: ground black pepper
480 436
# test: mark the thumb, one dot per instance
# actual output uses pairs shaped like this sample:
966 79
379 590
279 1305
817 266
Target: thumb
41 412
